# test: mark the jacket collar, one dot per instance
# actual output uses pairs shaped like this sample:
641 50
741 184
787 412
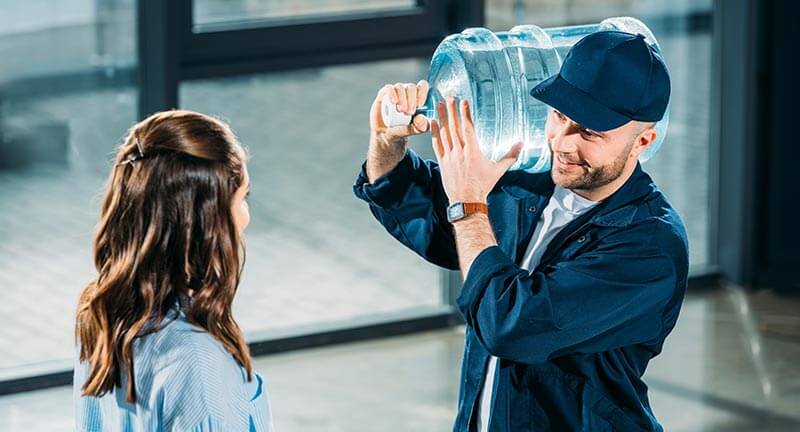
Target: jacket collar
617 210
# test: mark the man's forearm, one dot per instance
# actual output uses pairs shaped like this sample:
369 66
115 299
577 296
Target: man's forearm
473 235
384 157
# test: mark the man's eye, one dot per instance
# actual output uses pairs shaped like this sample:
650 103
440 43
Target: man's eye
587 133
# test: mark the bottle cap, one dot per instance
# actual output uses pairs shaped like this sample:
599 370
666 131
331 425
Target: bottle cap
391 116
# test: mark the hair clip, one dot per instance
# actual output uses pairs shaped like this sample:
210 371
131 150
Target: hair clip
131 159
139 148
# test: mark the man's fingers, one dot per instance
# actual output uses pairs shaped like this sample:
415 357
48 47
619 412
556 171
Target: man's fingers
417 126
454 123
392 92
376 118
468 127
510 157
411 98
436 139
422 92
444 126
401 97
420 123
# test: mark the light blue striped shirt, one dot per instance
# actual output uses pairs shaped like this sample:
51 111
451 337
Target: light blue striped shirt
185 381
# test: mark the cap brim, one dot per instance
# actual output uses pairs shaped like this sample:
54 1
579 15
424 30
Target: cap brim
577 105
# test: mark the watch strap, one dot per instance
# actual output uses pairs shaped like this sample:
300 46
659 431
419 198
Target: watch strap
460 210
475 207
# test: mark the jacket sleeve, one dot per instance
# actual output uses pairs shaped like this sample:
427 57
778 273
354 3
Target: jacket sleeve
411 204
611 296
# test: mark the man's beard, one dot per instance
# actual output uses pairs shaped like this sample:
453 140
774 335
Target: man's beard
594 177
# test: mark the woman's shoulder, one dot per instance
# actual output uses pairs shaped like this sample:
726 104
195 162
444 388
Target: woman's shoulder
195 378
187 377
184 350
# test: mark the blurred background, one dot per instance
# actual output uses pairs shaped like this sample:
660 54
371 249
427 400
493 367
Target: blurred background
352 331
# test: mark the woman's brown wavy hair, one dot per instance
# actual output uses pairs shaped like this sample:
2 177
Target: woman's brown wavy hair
166 231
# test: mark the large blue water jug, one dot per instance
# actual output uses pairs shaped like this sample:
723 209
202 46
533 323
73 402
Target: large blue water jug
495 72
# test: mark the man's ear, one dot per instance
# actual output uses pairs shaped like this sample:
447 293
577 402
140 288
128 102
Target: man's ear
645 139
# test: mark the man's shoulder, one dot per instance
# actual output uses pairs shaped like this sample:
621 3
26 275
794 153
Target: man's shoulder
660 226
657 209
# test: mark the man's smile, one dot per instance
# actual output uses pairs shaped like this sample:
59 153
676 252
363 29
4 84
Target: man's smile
568 165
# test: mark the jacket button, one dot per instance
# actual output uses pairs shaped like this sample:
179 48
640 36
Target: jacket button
582 239
532 209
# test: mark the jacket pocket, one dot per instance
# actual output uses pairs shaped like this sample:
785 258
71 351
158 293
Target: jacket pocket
564 402
520 410
598 412
605 414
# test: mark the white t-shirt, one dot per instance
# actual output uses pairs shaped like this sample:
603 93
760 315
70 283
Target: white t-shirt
564 206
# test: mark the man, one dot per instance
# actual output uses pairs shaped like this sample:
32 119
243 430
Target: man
573 278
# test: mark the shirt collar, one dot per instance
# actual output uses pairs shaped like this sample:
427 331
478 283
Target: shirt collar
571 202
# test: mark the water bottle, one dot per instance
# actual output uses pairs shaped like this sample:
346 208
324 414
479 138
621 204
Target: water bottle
495 72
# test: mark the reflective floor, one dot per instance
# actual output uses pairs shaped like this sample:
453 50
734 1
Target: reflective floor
730 365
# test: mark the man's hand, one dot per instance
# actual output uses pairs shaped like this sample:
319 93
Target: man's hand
467 174
387 145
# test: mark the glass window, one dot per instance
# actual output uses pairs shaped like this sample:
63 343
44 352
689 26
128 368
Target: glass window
315 254
65 101
227 11
503 14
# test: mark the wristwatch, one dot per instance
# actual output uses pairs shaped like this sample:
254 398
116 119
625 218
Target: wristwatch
460 210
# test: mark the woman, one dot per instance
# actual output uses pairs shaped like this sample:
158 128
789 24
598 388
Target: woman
158 347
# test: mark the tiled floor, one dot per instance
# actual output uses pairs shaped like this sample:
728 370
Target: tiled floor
729 366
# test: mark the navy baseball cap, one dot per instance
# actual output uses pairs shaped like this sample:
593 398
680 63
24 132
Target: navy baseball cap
607 79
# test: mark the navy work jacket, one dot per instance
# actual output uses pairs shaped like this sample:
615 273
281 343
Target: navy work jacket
574 335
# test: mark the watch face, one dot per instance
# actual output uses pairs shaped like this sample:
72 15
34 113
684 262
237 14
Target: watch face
455 211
